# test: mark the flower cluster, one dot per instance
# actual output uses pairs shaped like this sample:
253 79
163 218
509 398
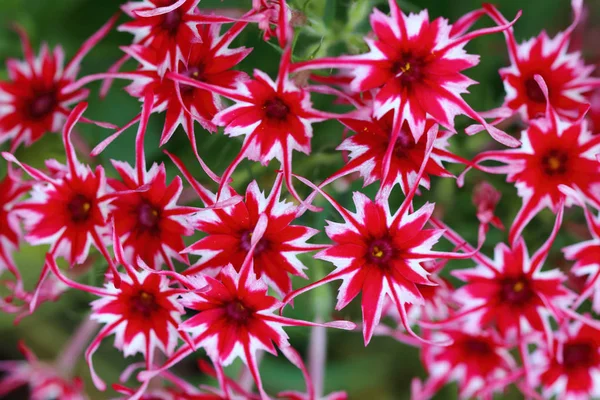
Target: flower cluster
181 280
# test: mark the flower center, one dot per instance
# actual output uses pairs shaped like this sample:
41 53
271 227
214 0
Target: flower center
408 67
578 355
516 291
534 92
555 162
237 312
144 303
380 251
79 207
275 108
171 22
192 73
477 346
405 142
42 105
246 245
147 216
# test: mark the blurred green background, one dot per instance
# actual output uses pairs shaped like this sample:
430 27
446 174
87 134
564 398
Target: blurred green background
384 369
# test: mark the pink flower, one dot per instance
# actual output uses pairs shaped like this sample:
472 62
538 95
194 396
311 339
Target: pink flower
485 198
367 151
380 255
229 232
564 72
43 380
143 312
553 154
235 319
478 362
510 290
36 99
275 118
417 65
569 369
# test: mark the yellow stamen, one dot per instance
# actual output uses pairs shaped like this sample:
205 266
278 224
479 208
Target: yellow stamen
519 286
86 206
406 68
554 163
377 252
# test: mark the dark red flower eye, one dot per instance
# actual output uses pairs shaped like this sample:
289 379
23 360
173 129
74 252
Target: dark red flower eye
79 207
276 109
42 104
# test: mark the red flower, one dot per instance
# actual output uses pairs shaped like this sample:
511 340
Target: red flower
142 313
235 319
552 154
380 255
229 232
565 74
68 212
275 118
165 27
478 362
510 290
367 150
417 64
569 369
37 97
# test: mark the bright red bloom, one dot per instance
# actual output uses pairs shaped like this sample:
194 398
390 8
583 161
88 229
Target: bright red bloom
417 64
43 379
143 312
36 99
150 223
229 231
478 362
553 154
275 118
594 113
570 368
235 319
565 74
68 212
511 289
379 255
165 27
367 150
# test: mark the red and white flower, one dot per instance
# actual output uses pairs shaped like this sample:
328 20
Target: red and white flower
479 362
570 367
143 312
511 292
567 77
235 319
417 64
553 153
380 255
229 232
275 118
36 100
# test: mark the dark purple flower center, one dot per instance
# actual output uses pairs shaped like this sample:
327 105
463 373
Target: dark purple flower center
42 104
246 245
171 22
147 216
578 355
144 303
237 312
478 346
380 252
275 108
534 92
79 208
405 142
554 162
192 73
409 67
516 291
